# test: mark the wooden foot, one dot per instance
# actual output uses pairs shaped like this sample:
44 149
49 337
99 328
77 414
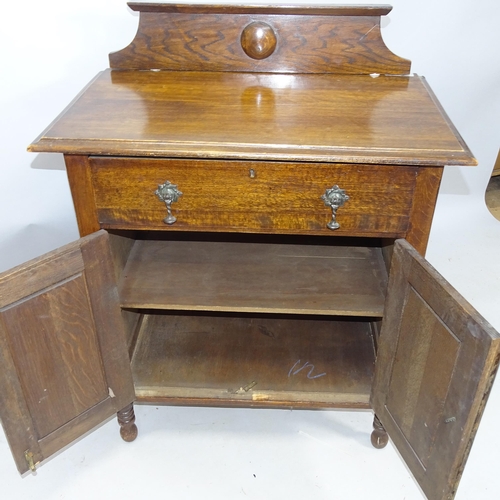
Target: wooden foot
379 435
126 419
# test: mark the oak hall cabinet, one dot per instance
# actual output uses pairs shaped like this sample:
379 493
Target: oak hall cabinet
254 189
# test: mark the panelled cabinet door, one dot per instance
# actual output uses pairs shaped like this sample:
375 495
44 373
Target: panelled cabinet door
64 366
435 367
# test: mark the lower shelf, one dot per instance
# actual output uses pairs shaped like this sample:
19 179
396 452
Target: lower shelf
254 360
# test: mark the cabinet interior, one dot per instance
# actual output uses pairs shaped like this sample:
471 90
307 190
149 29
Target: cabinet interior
257 320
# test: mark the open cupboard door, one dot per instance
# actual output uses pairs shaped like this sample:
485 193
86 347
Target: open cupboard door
436 363
64 366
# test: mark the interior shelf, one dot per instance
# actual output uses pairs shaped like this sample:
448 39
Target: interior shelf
256 360
255 277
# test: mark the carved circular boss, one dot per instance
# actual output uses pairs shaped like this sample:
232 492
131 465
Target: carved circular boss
258 40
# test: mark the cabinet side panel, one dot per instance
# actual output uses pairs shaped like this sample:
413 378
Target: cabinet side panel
121 244
82 191
422 211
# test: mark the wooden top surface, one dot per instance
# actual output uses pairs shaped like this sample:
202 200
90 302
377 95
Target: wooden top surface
330 118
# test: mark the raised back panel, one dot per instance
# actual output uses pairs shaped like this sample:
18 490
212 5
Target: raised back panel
344 40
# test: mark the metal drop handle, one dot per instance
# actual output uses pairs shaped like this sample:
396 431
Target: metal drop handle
168 193
334 198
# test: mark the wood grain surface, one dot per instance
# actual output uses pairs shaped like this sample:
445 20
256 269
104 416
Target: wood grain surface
82 193
63 335
308 40
254 277
255 360
64 362
436 363
253 136
253 196
425 195
325 118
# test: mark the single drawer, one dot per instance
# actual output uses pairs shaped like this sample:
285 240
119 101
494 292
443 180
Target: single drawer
248 196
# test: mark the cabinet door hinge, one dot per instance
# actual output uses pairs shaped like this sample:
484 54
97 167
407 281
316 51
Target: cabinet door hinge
28 455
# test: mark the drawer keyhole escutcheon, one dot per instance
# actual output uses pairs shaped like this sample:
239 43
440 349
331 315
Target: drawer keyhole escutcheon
168 193
334 198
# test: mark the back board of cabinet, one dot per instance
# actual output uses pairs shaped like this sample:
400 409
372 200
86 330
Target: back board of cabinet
261 39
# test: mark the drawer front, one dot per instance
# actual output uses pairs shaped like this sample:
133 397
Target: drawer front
247 196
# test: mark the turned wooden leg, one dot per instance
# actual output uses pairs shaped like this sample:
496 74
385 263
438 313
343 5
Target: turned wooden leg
126 419
379 435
